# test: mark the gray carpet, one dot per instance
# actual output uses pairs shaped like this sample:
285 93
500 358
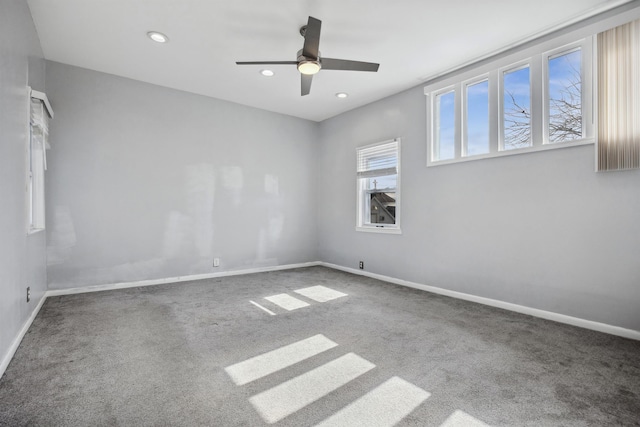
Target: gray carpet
157 356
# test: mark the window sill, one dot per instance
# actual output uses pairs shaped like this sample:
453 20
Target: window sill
381 230
516 151
34 231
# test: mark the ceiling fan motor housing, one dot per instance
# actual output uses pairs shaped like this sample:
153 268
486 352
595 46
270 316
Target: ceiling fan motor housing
308 65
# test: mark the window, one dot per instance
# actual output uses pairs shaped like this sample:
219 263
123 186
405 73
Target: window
516 108
534 100
564 100
378 180
445 126
476 118
37 160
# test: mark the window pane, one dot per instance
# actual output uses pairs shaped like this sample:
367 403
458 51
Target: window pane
382 207
445 126
382 183
517 109
381 200
477 137
565 97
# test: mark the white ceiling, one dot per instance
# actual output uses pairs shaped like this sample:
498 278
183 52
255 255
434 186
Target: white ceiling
411 39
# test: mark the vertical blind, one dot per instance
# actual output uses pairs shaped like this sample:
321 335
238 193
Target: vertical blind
39 131
39 128
619 98
378 160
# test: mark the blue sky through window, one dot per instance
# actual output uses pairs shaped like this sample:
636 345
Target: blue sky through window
517 108
478 118
565 100
389 182
445 104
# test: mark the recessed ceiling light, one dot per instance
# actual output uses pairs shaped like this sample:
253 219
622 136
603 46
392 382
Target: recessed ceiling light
342 94
267 73
157 37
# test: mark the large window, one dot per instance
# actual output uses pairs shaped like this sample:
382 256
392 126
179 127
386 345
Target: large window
537 100
378 180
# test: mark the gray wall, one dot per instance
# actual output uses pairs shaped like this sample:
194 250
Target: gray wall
541 230
22 257
149 182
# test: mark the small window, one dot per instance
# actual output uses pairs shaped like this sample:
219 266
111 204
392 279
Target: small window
36 150
516 108
476 135
445 126
565 97
378 180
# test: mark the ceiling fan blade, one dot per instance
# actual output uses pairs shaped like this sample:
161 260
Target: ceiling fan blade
312 38
305 83
267 63
345 64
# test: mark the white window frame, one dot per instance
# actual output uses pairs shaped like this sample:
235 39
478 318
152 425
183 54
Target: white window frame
362 200
536 58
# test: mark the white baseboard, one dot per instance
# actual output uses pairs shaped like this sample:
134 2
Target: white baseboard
575 321
123 285
57 292
16 342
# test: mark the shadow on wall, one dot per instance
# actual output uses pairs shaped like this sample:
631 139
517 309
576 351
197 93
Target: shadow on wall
215 202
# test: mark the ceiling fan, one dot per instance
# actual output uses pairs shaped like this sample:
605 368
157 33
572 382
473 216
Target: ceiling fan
309 61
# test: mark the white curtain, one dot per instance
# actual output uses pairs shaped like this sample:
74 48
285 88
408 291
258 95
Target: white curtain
619 98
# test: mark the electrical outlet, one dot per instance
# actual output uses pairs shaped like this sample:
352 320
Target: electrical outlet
216 262
28 293
361 265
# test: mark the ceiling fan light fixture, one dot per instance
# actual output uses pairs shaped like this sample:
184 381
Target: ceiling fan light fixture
309 67
309 60
157 37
